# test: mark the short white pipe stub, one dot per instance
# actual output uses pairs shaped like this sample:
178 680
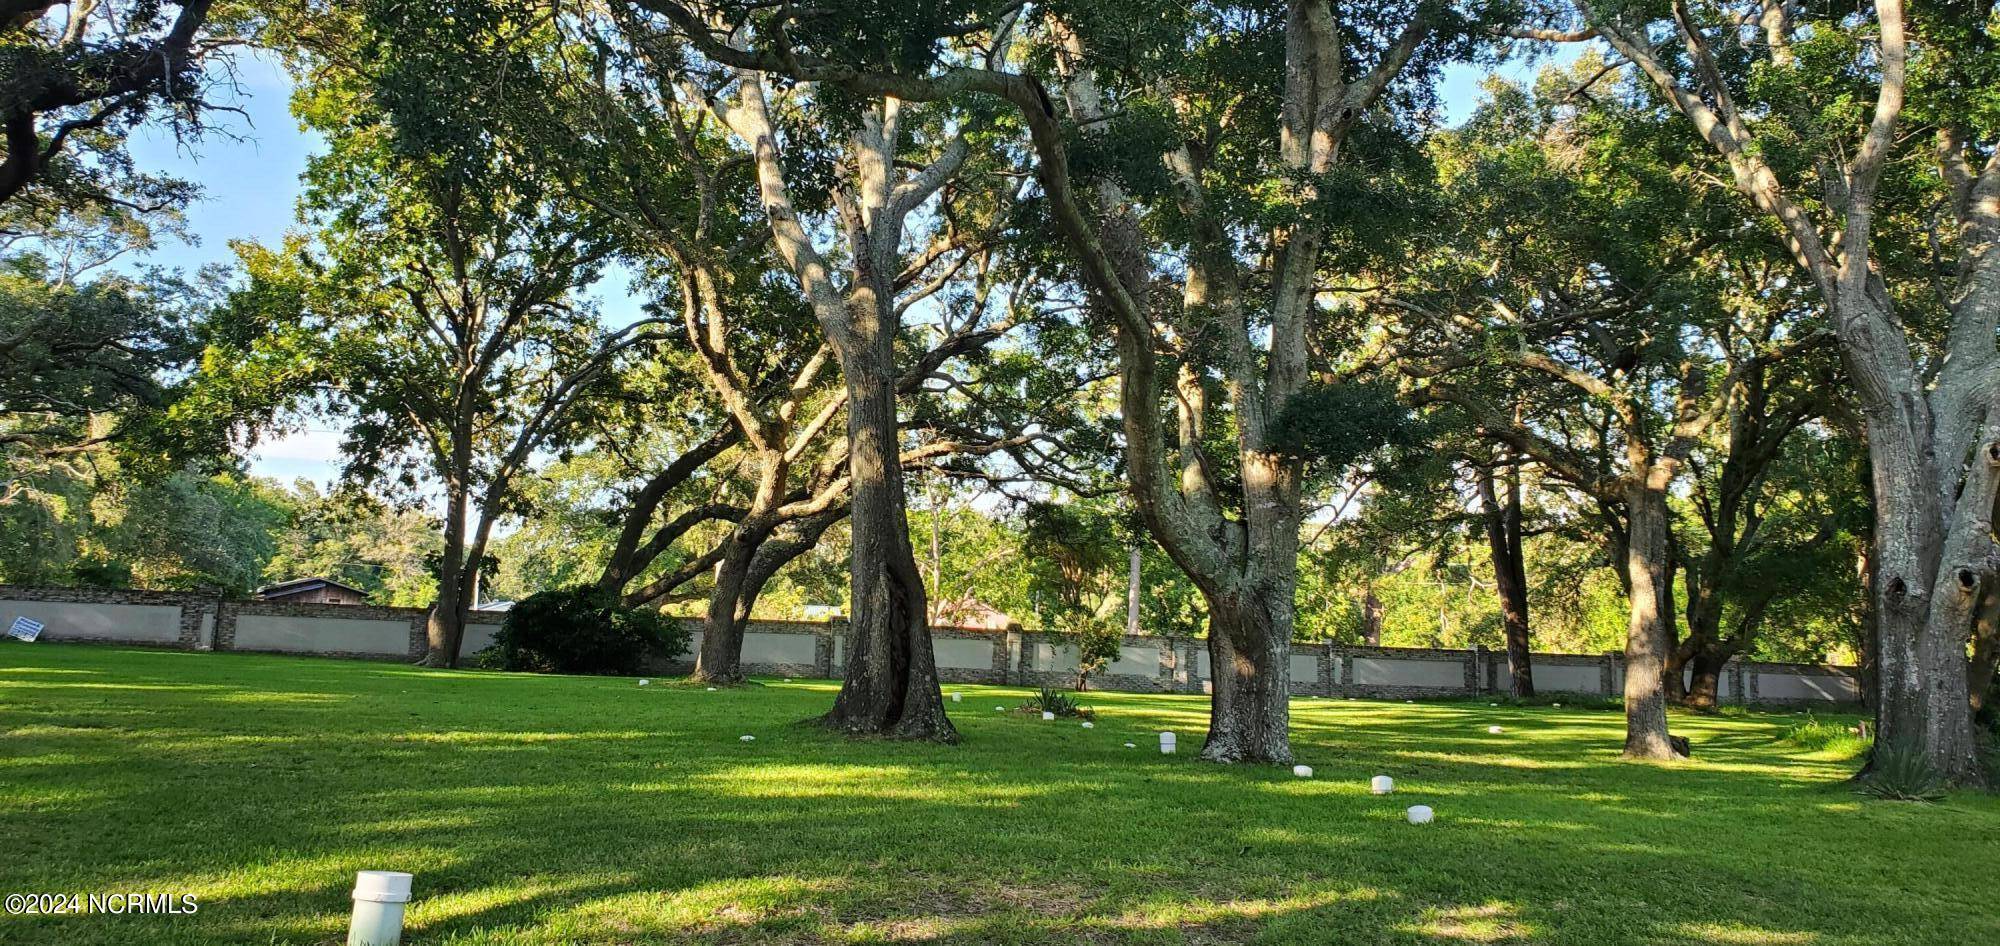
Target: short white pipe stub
1048 715
1420 814
379 896
1167 743
1381 785
1302 771
1495 730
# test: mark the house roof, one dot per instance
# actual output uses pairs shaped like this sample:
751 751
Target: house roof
301 585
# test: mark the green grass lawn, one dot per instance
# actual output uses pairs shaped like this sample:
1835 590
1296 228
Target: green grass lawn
591 810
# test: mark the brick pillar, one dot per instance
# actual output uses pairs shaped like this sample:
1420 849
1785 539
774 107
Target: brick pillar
836 630
823 651
198 620
225 625
420 639
1007 656
1191 665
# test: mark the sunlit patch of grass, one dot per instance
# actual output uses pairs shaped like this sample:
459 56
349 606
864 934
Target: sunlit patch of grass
546 810
1486 923
1832 739
1739 936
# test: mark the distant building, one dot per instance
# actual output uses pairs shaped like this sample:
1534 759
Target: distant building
970 612
496 606
820 612
313 591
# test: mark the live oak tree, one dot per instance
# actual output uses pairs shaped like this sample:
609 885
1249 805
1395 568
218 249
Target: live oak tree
83 361
446 280
859 146
1175 95
1609 327
1804 108
685 195
77 77
1221 137
1765 525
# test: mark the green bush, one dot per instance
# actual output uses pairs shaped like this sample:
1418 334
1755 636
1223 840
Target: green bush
583 630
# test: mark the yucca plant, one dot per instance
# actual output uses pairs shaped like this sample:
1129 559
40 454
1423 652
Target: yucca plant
1052 700
1902 774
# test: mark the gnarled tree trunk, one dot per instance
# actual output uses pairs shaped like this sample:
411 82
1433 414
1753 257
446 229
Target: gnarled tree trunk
1249 653
720 660
890 686
1933 561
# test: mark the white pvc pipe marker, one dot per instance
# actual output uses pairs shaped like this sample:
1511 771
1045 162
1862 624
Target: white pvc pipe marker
1167 743
379 896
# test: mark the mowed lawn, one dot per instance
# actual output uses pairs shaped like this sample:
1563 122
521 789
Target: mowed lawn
592 810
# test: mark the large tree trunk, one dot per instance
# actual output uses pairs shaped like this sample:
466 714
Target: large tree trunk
1705 677
1649 635
1249 657
735 597
721 658
1928 578
1371 616
1704 640
1510 575
1251 616
444 628
890 686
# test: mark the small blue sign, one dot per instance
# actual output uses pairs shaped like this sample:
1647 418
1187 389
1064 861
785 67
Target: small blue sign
25 628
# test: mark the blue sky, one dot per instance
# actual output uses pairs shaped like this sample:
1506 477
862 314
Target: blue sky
249 175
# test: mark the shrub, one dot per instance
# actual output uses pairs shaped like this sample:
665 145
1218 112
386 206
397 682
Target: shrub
583 630
1052 700
1901 774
